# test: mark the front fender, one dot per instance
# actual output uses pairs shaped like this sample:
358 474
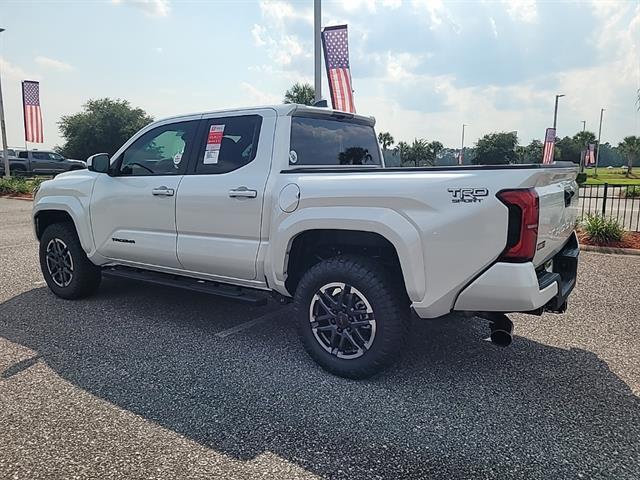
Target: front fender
75 209
391 225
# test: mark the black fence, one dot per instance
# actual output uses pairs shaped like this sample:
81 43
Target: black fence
612 201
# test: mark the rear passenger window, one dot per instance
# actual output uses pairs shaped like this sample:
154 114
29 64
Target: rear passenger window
327 141
229 143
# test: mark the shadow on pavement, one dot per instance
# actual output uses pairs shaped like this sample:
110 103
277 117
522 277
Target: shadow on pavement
456 406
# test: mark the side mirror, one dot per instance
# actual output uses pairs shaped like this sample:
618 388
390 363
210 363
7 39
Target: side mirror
98 163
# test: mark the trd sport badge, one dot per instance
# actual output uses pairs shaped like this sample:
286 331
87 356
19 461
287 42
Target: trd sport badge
467 195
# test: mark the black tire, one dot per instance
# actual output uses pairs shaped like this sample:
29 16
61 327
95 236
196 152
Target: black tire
389 305
82 279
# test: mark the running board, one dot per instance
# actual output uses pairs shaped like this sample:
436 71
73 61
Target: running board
204 286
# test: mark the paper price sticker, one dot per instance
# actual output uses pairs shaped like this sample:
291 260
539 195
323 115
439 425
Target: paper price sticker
214 141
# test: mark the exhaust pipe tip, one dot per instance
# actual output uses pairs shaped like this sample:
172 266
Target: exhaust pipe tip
501 330
500 337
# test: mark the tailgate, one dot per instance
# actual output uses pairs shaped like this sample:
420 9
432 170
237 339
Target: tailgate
558 195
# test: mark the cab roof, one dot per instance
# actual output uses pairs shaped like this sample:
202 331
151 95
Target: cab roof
285 109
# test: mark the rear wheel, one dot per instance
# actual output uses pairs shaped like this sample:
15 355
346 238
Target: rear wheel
65 266
352 319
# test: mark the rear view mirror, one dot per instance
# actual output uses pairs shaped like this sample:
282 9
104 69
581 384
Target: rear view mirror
98 163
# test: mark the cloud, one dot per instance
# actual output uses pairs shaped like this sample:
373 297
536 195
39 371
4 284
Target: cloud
153 8
53 64
11 71
494 28
522 10
257 96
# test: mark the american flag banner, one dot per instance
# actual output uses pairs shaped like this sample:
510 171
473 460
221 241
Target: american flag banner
32 113
549 143
591 154
336 58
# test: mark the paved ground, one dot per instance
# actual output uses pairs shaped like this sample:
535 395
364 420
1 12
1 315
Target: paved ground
145 382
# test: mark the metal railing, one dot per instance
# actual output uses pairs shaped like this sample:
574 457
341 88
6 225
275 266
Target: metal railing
611 201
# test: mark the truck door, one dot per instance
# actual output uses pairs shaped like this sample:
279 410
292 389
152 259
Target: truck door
133 208
220 200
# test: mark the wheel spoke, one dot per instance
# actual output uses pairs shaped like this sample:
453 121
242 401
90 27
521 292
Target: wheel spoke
326 301
361 323
346 292
353 342
359 339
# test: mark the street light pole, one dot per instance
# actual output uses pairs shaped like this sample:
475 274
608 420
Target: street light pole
583 154
317 48
3 127
595 173
461 158
555 111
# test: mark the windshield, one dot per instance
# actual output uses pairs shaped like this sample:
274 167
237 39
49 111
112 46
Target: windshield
320 141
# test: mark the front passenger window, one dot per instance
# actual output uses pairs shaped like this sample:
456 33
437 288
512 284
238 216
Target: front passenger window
160 151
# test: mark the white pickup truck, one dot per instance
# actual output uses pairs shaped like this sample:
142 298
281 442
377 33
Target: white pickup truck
296 200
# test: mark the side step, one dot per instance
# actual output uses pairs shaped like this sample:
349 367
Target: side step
213 288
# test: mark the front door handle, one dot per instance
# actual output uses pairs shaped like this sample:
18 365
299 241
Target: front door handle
243 192
163 191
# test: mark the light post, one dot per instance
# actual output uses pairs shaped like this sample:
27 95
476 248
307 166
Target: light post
555 111
595 172
583 155
3 127
317 48
461 158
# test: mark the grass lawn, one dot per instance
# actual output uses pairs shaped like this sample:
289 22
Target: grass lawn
614 175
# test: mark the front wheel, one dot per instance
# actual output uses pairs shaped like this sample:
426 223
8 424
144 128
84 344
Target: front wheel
65 266
352 320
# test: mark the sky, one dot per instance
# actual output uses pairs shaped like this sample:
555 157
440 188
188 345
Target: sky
421 67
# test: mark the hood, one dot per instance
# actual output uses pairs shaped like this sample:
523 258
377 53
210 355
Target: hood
73 160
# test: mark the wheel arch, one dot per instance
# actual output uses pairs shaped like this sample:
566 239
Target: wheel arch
48 212
385 233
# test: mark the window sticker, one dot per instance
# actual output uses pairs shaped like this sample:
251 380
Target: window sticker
214 141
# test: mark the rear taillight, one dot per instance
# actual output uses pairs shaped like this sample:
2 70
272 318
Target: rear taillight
522 236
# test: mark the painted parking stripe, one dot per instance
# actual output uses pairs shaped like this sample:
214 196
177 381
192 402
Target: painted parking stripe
251 323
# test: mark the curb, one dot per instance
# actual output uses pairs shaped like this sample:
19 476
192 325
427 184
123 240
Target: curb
610 250
10 197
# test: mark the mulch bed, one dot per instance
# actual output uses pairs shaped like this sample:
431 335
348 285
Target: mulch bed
630 240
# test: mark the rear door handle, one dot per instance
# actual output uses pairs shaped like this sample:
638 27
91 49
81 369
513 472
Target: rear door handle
163 191
243 192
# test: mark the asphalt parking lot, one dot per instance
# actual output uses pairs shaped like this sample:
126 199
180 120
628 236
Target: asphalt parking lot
146 382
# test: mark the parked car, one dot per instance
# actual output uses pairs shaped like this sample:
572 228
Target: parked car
295 200
40 162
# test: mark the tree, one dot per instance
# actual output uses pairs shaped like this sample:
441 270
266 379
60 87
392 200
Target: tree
630 149
301 93
385 139
496 149
103 126
532 153
420 153
571 149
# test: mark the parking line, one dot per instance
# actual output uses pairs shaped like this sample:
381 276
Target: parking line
250 323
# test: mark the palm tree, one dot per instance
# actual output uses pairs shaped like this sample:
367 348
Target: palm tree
301 93
630 148
385 139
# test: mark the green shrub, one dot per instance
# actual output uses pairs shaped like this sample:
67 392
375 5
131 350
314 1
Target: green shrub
581 178
35 183
631 191
602 230
14 185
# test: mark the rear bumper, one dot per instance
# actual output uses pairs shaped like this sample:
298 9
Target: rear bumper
518 287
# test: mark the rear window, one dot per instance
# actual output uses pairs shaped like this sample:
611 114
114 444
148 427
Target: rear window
320 141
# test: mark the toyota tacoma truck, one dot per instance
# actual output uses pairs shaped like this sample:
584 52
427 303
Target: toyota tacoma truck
297 201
